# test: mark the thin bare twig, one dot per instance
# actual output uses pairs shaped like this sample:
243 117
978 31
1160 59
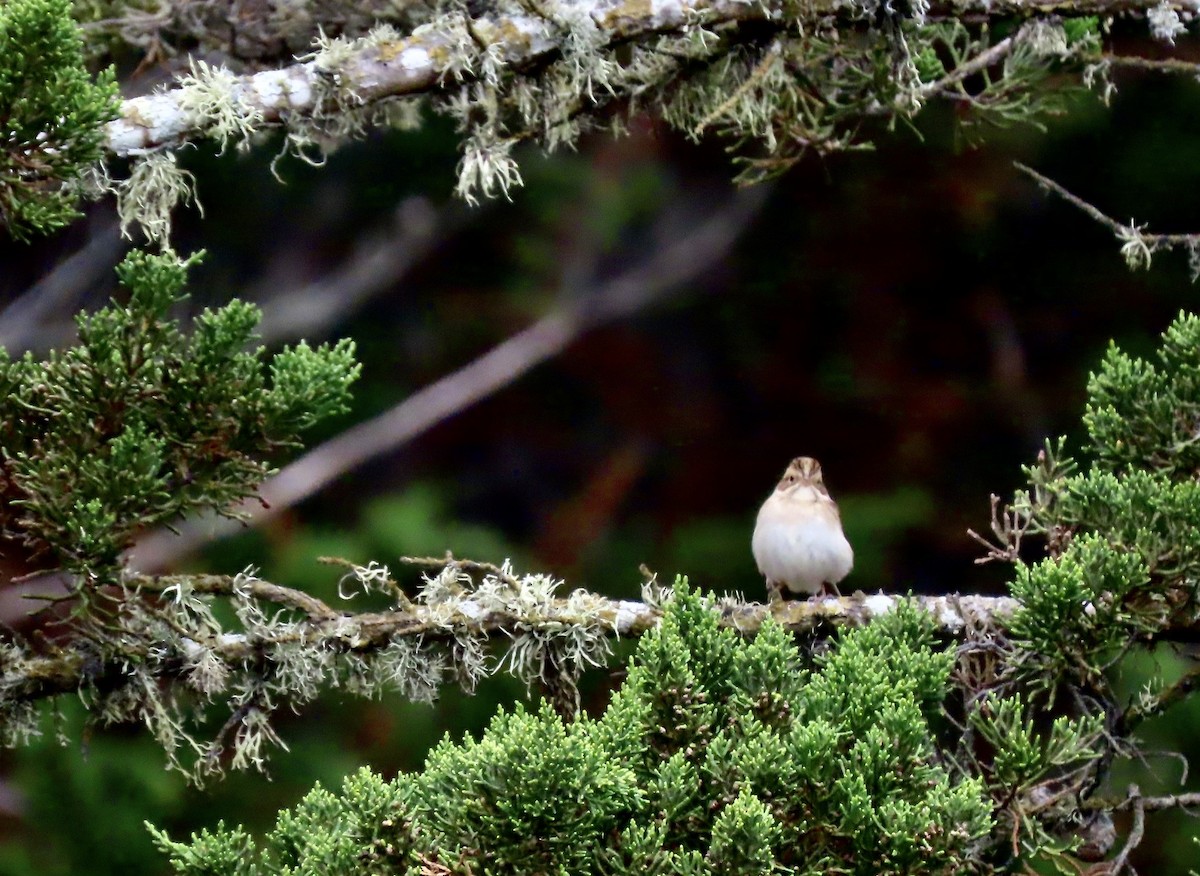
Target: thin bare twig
980 62
1190 800
1137 246
1138 804
1153 65
1009 527
1074 200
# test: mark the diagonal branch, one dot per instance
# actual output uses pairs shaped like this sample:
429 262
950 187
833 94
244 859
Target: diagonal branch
379 261
687 256
1137 246
1189 800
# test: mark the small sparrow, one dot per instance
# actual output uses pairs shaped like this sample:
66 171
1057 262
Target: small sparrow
798 541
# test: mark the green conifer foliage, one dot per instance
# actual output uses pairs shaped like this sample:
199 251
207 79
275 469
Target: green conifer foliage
718 756
1121 573
52 114
1123 532
141 423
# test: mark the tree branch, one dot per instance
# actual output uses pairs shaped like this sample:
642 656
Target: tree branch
1190 800
684 256
448 52
223 585
379 261
448 617
40 318
979 63
1138 804
79 666
372 70
1177 66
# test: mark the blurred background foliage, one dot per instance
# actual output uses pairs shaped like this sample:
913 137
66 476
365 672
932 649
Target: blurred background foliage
919 318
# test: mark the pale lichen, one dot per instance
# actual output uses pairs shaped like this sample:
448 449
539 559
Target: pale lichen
1165 23
487 167
414 668
1047 39
1135 248
213 94
372 578
145 199
254 733
583 42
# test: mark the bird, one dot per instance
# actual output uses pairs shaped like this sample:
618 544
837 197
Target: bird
798 541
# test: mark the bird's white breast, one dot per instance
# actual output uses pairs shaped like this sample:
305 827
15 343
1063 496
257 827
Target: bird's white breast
798 541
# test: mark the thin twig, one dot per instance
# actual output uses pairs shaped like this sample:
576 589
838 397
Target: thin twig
1153 65
979 63
1138 804
1137 245
225 585
1074 200
1008 527
465 565
1190 800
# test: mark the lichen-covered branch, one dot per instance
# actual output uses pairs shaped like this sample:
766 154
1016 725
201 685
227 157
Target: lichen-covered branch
160 646
160 650
387 64
781 77
449 617
454 49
